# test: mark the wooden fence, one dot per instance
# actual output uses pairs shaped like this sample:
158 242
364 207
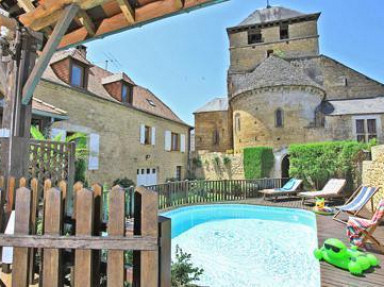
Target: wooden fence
193 192
71 246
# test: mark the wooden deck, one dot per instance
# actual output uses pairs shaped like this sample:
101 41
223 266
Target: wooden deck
327 228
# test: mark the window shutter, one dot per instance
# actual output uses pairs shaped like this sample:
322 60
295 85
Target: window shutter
94 146
142 134
153 136
182 143
168 140
56 132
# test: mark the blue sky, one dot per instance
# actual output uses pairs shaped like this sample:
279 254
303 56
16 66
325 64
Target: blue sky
184 59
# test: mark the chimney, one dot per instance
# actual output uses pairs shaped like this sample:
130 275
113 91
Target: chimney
83 50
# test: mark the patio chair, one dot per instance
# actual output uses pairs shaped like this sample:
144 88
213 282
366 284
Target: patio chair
332 190
360 230
290 188
356 202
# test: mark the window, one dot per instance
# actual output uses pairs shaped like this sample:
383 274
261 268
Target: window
254 36
269 53
147 135
279 118
126 94
77 76
366 129
152 103
237 123
175 145
216 137
284 34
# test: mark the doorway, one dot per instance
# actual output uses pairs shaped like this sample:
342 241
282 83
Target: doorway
285 167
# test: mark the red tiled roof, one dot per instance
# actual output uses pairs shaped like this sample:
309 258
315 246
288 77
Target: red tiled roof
143 99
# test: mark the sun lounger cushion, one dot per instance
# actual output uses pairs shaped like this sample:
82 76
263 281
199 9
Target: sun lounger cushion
356 225
333 188
289 185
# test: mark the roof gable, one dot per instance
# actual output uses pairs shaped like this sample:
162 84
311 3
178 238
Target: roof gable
216 105
272 14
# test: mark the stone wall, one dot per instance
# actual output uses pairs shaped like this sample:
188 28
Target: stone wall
219 166
211 125
257 117
373 171
303 41
121 153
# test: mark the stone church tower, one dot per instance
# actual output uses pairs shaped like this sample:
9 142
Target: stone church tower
281 90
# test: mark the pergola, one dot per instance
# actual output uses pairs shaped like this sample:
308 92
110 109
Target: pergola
30 26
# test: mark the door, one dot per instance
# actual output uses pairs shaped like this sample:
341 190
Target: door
146 176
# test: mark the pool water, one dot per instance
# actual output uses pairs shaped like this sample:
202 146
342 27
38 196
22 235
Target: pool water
248 245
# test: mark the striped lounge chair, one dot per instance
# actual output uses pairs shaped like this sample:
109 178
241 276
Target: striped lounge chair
356 202
360 230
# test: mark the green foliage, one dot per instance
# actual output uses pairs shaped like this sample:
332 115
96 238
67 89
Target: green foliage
80 169
316 163
124 182
227 161
216 161
196 161
258 162
183 274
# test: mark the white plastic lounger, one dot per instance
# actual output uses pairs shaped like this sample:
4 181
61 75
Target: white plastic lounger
333 189
356 202
290 188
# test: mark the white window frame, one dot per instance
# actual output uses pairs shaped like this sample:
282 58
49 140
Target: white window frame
366 118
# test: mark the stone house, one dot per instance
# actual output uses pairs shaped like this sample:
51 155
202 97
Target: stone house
131 132
281 90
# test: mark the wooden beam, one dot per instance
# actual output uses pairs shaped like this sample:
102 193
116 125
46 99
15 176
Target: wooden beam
61 27
143 243
26 5
87 22
127 10
46 13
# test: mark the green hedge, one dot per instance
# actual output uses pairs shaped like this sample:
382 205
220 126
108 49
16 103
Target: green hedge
258 162
316 163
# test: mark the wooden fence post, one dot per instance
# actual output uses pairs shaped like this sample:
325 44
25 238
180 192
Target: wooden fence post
84 226
76 188
116 227
53 213
22 227
11 186
70 205
98 198
145 263
34 210
165 251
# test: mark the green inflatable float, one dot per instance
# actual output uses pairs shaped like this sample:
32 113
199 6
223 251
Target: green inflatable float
336 253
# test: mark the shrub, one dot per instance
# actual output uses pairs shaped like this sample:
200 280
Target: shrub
182 271
124 182
316 163
227 161
258 162
216 161
196 161
80 170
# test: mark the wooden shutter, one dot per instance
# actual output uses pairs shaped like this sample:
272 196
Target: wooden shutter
142 134
94 146
153 136
56 132
168 140
182 143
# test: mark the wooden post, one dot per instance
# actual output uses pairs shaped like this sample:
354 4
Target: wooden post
145 263
84 226
22 226
165 251
69 206
116 227
98 197
53 214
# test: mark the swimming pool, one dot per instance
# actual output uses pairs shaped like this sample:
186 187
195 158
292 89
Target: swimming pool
248 245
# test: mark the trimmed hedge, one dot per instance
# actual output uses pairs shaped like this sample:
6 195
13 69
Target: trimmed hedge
258 162
316 163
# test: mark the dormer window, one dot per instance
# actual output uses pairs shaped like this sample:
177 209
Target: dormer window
152 103
77 77
126 94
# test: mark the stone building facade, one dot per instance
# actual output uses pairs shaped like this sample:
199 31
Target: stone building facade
131 132
373 172
281 90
